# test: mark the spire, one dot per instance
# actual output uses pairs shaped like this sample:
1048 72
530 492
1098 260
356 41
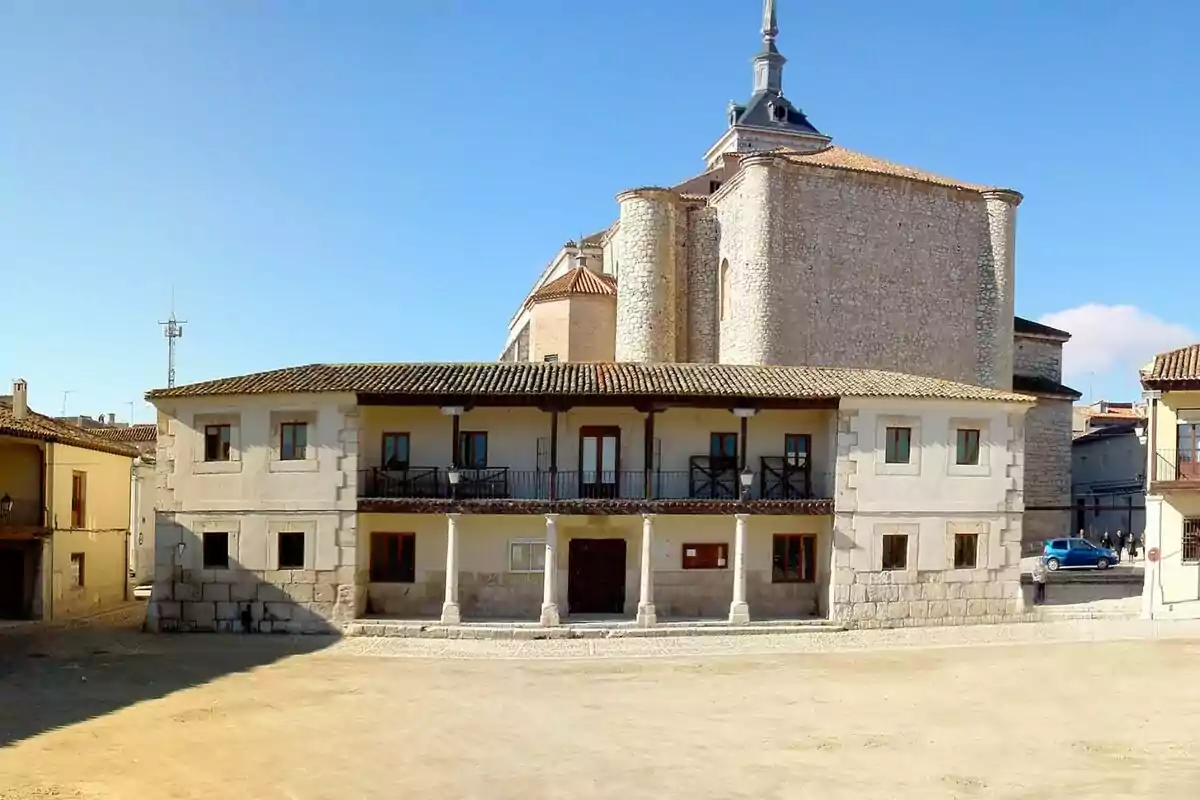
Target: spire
770 28
768 65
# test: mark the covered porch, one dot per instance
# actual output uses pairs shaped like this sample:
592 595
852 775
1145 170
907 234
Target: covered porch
639 570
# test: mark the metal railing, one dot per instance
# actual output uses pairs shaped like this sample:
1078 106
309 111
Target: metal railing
1177 465
502 483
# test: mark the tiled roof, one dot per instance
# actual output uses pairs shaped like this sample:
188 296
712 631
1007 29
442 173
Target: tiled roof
1180 365
579 280
1028 384
835 157
534 380
141 432
43 428
1031 328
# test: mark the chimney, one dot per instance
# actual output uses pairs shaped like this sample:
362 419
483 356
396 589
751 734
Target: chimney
20 401
112 418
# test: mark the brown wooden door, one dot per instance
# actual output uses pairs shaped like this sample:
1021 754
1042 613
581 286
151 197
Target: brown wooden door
12 583
596 576
1189 453
599 460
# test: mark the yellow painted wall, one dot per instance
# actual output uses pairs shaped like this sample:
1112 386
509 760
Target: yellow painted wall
21 474
102 540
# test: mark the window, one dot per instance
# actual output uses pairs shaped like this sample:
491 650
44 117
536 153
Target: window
723 290
216 550
291 550
966 550
795 449
895 551
794 558
713 186
898 444
1059 544
472 449
293 441
706 556
77 570
216 442
968 446
550 358
78 499
395 451
1191 539
393 557
528 555
723 446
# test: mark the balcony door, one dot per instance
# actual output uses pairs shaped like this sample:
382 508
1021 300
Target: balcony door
1189 452
599 460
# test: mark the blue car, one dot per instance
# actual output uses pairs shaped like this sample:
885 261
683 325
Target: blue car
1077 552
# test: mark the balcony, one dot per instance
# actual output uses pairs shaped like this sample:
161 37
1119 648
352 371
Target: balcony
1176 470
706 481
23 513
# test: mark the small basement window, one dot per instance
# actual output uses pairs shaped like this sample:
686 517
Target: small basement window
713 555
291 550
216 550
77 574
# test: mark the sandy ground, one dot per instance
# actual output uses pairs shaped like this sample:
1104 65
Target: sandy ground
103 715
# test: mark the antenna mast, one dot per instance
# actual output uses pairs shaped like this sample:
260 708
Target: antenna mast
172 329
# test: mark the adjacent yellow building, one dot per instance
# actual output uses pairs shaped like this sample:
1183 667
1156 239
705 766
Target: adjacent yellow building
1172 383
64 516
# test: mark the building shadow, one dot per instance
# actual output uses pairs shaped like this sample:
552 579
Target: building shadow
53 677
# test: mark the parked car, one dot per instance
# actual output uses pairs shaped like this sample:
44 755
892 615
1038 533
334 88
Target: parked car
1076 552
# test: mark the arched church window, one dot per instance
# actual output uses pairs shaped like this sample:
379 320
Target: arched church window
723 289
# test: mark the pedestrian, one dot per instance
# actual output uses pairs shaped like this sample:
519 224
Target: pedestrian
1039 581
1082 535
1133 545
1106 540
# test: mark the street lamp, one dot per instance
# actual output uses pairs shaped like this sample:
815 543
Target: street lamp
1140 430
453 475
747 479
6 505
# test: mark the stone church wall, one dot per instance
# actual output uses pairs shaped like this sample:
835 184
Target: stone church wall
842 268
1047 471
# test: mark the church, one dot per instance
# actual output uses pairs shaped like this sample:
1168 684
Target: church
791 250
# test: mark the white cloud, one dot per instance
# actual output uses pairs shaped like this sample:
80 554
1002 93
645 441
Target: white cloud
1114 341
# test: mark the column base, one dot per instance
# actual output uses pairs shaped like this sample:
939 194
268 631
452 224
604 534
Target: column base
646 618
739 613
451 614
549 614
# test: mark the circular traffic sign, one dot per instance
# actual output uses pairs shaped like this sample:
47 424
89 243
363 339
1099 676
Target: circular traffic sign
1152 554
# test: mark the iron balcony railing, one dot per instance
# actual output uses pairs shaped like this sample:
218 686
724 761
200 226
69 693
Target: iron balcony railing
699 482
1177 465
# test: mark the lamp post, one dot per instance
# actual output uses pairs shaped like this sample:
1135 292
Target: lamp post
453 475
746 477
1140 431
6 506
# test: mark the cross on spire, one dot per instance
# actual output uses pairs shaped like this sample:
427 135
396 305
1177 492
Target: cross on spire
770 28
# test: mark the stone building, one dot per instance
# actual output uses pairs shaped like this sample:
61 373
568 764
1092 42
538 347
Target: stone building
791 250
307 498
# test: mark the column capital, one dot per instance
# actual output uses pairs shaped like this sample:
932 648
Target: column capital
454 515
648 516
741 517
551 517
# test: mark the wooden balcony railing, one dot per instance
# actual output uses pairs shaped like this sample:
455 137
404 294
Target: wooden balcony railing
24 513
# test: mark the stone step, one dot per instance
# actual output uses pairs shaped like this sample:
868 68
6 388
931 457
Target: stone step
430 630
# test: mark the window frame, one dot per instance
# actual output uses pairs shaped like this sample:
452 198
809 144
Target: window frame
205 551
531 545
224 443
805 547
959 441
806 438
889 446
472 437
717 560
960 551
78 576
400 573
723 437
1189 545
885 551
279 549
299 452
78 499
550 358
394 437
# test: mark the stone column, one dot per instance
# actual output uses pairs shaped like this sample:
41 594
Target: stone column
994 314
646 304
450 611
645 610
739 611
550 573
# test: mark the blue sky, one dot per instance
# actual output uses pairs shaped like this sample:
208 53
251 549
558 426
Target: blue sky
381 181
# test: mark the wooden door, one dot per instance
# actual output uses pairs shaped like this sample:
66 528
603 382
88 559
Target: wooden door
1188 457
12 583
599 460
596 576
